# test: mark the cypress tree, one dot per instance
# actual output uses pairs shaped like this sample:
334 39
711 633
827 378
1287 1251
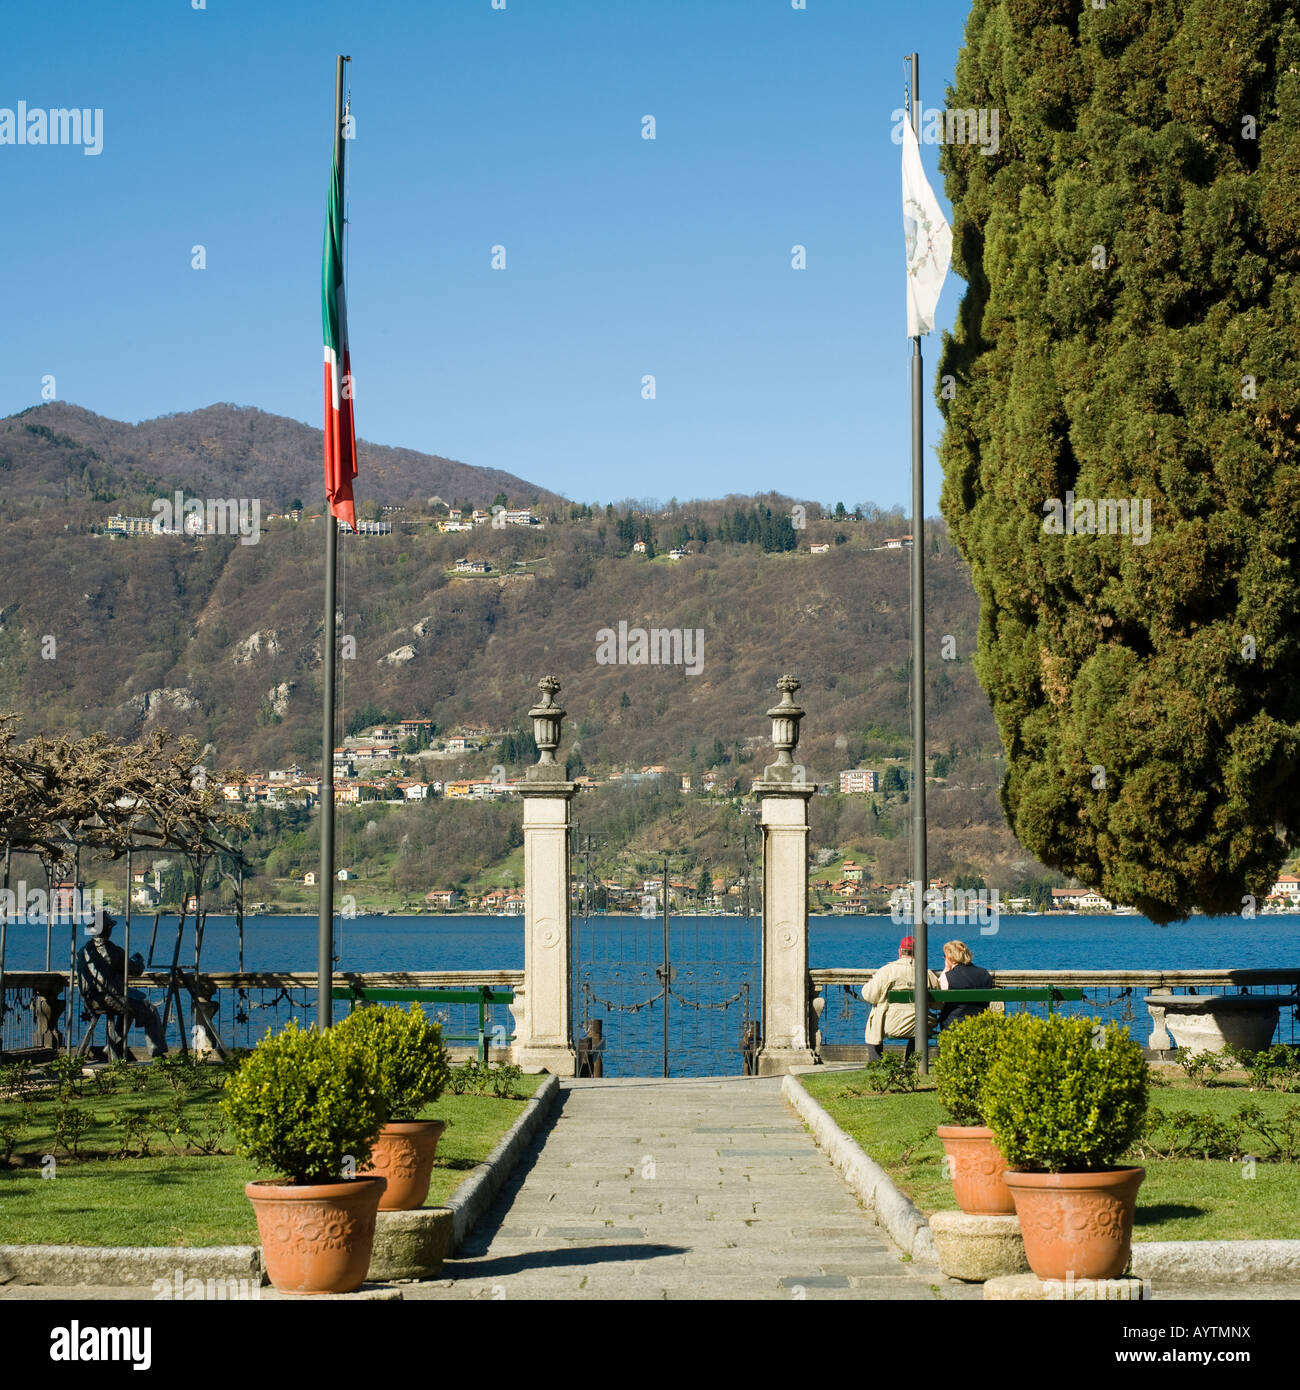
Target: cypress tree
1129 332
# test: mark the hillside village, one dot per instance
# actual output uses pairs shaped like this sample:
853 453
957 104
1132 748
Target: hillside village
395 763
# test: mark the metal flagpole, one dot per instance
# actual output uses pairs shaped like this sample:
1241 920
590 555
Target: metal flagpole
667 965
920 874
4 928
325 927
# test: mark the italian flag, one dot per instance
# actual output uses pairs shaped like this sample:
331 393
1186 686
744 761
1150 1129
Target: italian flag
340 432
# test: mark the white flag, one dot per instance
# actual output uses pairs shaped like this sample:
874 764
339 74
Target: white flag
929 240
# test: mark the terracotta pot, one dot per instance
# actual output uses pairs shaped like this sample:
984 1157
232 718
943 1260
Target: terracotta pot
316 1239
1077 1225
977 1166
403 1154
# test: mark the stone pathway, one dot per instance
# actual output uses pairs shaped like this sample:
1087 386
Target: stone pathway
689 1189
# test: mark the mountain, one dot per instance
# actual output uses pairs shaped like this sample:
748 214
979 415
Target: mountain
223 640
61 452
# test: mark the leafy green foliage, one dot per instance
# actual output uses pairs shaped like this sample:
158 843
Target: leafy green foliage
406 1053
466 1077
1131 252
1276 1068
11 1131
136 1129
966 1052
71 1124
1249 1132
505 1079
302 1101
473 1077
1203 1068
181 1071
16 1083
67 1073
893 1073
1065 1094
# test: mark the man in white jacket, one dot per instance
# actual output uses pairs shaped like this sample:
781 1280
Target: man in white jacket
893 1020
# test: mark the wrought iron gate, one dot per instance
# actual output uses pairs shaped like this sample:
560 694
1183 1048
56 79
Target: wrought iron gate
664 993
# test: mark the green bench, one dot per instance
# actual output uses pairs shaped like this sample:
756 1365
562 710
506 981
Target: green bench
1050 995
484 996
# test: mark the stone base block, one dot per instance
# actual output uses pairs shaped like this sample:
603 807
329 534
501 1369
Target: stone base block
559 1060
133 1266
367 1293
777 1061
978 1248
410 1244
1030 1288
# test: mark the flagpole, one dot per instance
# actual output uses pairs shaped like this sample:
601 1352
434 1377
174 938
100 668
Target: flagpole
329 647
920 874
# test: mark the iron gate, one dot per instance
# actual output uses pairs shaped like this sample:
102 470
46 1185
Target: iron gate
664 993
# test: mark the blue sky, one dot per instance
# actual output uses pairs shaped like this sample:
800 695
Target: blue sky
478 127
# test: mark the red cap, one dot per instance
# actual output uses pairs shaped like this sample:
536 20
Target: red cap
908 943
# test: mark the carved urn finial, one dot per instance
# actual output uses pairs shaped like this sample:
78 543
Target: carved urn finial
785 719
547 717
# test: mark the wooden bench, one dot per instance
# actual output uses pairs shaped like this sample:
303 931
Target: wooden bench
484 996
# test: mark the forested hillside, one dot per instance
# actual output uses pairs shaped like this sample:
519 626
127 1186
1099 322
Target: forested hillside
222 640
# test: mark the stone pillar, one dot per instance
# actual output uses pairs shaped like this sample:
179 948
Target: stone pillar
783 792
544 1014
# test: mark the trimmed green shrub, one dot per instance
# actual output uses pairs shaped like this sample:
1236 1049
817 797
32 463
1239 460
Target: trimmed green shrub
303 1102
407 1053
966 1052
1065 1095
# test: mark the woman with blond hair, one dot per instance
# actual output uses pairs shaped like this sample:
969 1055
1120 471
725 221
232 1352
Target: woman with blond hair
960 972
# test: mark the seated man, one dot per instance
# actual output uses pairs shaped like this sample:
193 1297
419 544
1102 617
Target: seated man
101 977
960 972
893 1020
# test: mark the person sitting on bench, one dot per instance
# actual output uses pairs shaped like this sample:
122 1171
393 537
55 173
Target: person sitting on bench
893 1020
960 972
101 977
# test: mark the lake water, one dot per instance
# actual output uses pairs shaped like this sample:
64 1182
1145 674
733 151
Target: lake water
497 943
715 987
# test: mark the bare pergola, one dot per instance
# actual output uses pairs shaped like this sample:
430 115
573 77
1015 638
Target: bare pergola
62 797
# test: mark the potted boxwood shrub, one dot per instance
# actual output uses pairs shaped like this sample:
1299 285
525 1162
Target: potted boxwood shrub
410 1065
966 1053
304 1104
1065 1097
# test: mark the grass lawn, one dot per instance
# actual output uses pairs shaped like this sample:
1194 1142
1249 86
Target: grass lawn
1180 1199
183 1199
